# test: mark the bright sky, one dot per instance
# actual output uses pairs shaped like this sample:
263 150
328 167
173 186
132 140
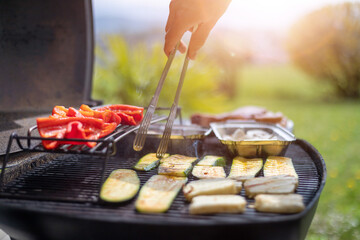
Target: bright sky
262 14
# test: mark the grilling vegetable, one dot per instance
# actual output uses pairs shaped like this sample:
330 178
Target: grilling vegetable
75 127
177 158
244 168
206 172
120 186
217 204
85 123
209 187
275 166
210 160
130 115
106 115
173 169
148 162
158 193
290 203
274 185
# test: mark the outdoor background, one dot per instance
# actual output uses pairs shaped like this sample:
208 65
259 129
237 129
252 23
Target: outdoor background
298 57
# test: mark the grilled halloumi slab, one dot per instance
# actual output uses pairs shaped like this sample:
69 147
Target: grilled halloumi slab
245 168
282 184
275 166
158 193
217 204
238 185
209 187
207 172
290 203
211 160
177 158
172 169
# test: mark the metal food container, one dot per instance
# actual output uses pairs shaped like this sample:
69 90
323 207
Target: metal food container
192 132
277 145
187 139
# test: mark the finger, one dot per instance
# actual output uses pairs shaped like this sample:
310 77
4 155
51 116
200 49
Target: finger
199 37
174 35
182 47
171 17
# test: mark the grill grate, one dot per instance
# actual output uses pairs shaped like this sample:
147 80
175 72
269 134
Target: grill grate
76 178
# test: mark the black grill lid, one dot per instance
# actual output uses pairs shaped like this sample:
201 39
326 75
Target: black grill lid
46 54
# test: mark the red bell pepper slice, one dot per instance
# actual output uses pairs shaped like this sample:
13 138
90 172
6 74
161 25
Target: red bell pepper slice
107 115
60 111
107 129
51 127
72 112
75 130
131 115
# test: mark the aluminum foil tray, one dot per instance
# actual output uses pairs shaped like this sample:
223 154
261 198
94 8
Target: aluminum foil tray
277 145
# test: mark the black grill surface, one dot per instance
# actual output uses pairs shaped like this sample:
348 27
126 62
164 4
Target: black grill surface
75 180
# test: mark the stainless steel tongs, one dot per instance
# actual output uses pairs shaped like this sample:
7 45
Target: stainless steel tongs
142 132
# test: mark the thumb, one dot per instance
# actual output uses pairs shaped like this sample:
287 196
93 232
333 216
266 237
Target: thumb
199 37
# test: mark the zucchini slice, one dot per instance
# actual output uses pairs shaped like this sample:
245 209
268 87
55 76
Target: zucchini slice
148 162
275 166
211 160
158 193
207 172
171 169
120 186
177 158
245 168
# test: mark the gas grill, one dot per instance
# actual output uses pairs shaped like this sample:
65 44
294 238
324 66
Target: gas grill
55 194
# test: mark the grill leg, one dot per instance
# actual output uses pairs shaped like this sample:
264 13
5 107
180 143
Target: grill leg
103 170
6 159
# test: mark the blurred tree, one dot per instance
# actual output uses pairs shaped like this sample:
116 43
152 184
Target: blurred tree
230 55
325 44
129 74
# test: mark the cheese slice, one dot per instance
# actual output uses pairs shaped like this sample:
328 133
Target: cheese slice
209 187
217 204
290 203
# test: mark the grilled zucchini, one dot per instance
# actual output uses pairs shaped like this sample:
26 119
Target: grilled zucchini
217 204
207 172
209 187
148 162
245 168
171 169
275 166
177 158
120 186
158 193
210 160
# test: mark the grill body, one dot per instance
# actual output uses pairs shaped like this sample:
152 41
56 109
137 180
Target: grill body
78 177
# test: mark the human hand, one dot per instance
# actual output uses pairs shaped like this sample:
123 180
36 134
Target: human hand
185 15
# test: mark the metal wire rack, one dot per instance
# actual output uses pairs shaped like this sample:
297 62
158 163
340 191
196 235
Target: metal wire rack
104 148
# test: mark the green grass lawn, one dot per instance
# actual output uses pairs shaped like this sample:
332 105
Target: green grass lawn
331 125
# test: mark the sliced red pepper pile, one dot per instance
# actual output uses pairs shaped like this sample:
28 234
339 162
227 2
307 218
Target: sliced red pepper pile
85 123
